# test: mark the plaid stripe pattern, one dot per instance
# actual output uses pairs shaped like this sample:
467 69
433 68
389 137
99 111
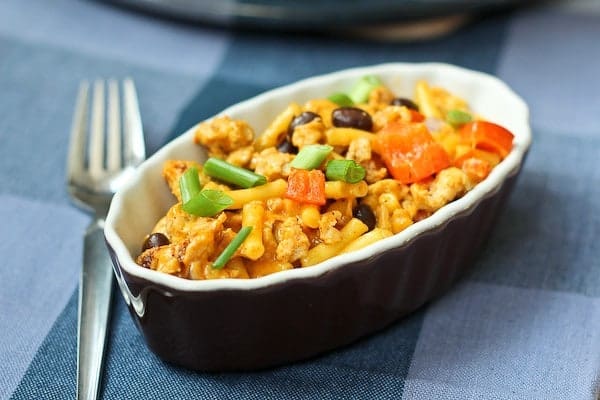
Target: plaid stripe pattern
524 324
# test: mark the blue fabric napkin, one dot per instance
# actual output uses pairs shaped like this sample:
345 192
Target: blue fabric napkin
524 324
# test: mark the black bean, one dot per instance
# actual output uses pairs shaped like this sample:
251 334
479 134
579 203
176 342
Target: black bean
301 119
352 117
287 147
403 101
365 214
156 239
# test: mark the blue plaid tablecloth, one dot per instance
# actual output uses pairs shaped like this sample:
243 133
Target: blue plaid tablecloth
524 324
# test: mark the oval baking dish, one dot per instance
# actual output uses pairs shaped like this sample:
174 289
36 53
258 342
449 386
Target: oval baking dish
234 324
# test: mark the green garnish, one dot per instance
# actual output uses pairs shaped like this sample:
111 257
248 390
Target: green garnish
345 170
359 93
458 117
207 203
232 174
341 99
311 156
189 184
363 87
203 203
228 252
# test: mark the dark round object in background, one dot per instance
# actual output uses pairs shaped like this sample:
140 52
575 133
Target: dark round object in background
286 146
366 215
403 101
302 119
155 239
352 117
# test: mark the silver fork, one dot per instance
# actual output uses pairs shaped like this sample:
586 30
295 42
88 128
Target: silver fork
93 176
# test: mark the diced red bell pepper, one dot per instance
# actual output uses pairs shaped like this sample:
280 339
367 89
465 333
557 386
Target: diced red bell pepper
306 186
487 136
409 151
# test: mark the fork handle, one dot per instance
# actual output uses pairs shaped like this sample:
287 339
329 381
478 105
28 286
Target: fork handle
95 289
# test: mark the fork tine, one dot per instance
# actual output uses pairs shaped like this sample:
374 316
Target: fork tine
113 159
78 132
96 148
135 151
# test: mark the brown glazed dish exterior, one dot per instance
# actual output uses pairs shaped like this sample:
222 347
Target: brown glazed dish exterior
296 319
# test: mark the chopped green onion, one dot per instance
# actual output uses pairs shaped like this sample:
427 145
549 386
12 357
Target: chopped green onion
232 174
458 117
229 251
204 203
311 156
189 184
345 170
363 87
207 203
341 99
